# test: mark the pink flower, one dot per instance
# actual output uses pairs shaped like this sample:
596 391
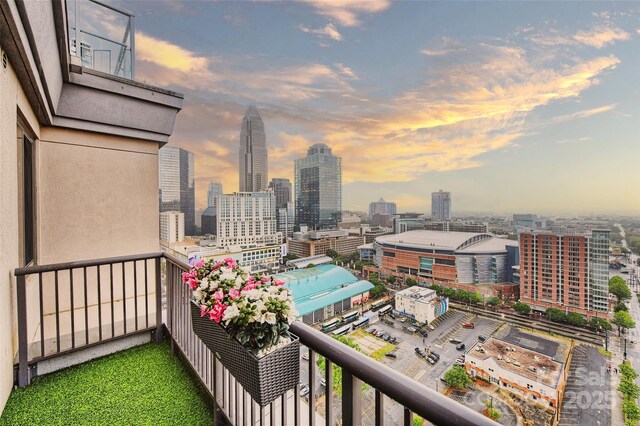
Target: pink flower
216 312
234 294
230 263
249 286
193 283
265 279
217 266
278 283
218 295
198 264
203 310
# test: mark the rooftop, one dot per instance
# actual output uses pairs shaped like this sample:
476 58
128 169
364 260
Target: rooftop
524 362
317 287
465 242
416 292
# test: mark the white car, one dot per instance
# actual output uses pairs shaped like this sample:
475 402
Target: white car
431 327
305 356
403 319
304 390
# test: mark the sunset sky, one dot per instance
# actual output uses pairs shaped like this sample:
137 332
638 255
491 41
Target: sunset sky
513 107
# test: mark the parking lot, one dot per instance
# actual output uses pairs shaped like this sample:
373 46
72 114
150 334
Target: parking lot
411 364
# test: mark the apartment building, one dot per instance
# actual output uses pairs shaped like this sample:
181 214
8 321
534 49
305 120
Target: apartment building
247 219
171 227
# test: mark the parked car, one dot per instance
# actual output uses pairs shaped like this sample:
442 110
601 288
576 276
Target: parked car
411 329
431 361
431 327
455 341
305 356
460 347
386 337
458 362
420 352
391 355
482 338
392 315
372 331
393 340
403 319
433 358
468 325
304 390
423 333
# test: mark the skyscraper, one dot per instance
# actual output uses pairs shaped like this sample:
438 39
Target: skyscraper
441 205
282 190
382 207
177 186
253 153
318 188
215 189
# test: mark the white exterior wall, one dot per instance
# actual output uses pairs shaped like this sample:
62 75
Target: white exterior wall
171 227
422 309
247 219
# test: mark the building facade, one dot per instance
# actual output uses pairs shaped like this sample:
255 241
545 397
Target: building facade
177 184
171 227
382 207
421 304
568 271
317 243
318 188
282 190
208 221
286 217
441 205
456 226
246 219
254 166
215 189
78 158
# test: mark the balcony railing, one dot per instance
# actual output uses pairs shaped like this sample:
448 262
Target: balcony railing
119 296
102 36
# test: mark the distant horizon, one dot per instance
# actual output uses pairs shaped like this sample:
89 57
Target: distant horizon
518 106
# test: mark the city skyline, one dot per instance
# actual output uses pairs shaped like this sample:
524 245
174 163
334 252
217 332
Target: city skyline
545 100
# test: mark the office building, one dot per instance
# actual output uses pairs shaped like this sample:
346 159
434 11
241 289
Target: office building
215 189
318 242
285 220
324 291
456 226
441 206
420 303
404 222
318 188
282 190
382 207
528 222
177 184
171 227
209 221
253 153
568 271
246 219
349 220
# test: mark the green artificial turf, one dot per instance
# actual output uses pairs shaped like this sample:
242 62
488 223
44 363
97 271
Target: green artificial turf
143 385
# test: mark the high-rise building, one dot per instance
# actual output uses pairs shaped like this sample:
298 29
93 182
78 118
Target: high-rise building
567 271
403 222
171 227
282 190
177 185
382 207
441 205
318 188
286 220
246 219
215 189
253 153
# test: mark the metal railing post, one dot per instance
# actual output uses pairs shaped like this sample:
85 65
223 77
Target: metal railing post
351 399
158 301
23 349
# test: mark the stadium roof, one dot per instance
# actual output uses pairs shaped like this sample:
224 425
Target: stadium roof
463 242
320 286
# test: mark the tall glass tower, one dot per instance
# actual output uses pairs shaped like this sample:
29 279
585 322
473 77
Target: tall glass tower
177 186
318 188
253 153
215 189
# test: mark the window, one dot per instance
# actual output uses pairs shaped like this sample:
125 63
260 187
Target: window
28 223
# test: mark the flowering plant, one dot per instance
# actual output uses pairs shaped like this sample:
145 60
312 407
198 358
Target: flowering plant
256 310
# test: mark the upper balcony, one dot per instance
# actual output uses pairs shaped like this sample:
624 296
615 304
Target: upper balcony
102 37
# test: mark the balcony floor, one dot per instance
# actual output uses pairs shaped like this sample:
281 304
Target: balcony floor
142 385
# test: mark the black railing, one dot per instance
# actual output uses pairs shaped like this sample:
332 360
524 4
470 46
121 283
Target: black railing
66 307
233 405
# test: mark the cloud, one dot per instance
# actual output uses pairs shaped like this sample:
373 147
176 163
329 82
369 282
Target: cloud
585 113
601 36
346 12
167 54
578 140
329 31
346 71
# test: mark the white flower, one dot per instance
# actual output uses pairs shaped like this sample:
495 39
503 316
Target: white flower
273 289
239 282
230 313
213 285
283 296
230 275
260 307
198 295
269 318
203 284
252 294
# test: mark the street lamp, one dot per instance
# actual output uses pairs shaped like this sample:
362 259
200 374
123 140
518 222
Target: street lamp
625 349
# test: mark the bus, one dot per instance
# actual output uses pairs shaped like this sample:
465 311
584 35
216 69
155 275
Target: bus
360 322
342 331
351 316
327 326
378 305
385 310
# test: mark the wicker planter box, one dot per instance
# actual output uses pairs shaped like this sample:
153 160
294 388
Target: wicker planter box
266 378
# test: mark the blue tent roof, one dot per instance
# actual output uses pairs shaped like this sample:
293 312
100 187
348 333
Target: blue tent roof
314 288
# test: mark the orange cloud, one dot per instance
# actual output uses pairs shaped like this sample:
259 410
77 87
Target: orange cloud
167 54
601 36
346 12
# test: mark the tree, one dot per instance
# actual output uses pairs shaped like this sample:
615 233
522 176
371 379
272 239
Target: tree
600 323
332 253
629 388
556 315
377 290
457 377
522 308
311 265
288 257
475 297
576 319
391 279
623 320
492 413
337 370
620 306
410 282
618 287
418 421
493 301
